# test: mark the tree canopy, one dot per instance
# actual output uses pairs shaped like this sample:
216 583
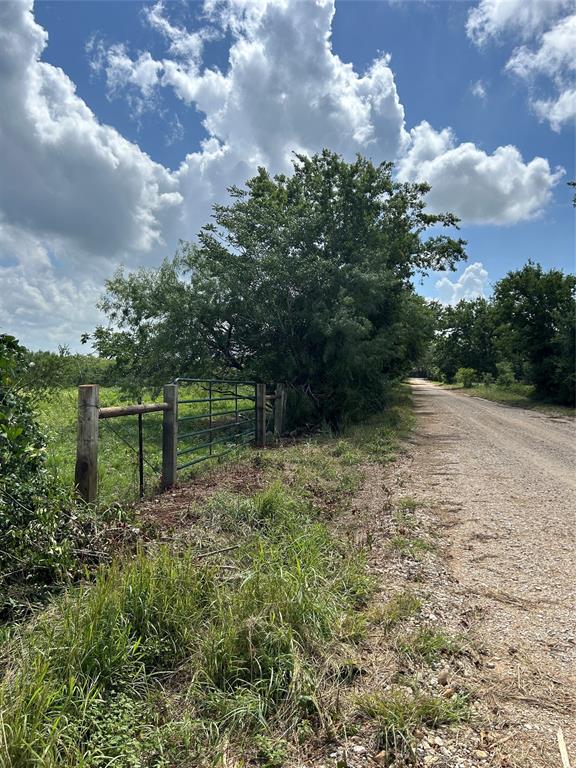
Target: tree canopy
528 326
304 279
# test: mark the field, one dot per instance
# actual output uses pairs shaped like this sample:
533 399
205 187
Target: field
118 444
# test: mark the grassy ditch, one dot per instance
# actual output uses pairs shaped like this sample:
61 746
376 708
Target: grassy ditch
517 395
169 657
171 660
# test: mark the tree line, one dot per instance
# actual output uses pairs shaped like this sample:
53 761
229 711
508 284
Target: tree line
525 332
308 279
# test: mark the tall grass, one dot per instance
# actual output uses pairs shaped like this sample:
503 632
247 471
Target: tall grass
165 659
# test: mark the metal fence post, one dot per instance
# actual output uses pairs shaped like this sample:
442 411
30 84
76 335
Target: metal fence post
86 472
260 415
169 436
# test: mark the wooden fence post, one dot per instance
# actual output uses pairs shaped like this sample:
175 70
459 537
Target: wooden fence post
169 436
279 409
86 474
260 415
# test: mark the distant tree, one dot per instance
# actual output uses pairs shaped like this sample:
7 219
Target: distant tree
304 279
536 318
51 370
465 338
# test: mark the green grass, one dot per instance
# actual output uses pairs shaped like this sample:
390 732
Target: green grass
430 645
398 716
410 546
400 607
165 659
118 443
518 396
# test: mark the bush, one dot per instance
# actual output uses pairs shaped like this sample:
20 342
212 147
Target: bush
466 376
39 522
505 376
487 379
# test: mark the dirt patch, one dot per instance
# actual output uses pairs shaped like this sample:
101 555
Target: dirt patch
178 508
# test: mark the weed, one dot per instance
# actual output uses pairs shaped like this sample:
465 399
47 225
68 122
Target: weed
430 645
408 504
400 607
410 546
399 715
81 679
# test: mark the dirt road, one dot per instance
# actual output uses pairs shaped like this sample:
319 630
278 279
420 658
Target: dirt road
503 482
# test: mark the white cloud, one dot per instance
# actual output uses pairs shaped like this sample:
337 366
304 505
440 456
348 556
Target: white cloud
547 59
80 197
471 284
63 173
491 18
478 89
499 188
39 303
285 88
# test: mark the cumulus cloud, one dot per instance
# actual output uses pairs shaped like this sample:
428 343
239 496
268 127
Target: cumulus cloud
306 97
63 173
491 18
548 29
40 303
74 191
471 284
481 188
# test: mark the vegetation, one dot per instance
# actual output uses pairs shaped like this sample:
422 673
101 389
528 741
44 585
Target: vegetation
237 653
41 526
526 333
399 715
304 279
169 658
51 371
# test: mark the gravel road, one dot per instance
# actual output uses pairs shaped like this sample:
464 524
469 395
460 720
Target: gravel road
504 483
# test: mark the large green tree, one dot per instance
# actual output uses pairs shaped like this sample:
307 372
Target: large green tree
536 313
303 278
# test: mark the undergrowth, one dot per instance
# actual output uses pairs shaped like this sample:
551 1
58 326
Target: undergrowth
399 715
165 659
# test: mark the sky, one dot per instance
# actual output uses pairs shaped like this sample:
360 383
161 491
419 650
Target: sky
122 123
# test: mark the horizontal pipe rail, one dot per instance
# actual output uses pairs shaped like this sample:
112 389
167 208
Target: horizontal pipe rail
131 410
214 415
215 381
214 399
216 455
225 439
217 427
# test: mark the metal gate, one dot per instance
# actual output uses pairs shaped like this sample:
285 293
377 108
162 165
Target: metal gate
215 417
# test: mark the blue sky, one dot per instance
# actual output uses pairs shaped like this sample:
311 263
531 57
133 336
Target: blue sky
129 120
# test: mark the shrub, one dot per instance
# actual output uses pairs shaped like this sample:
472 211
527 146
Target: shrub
466 376
487 380
39 521
505 376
